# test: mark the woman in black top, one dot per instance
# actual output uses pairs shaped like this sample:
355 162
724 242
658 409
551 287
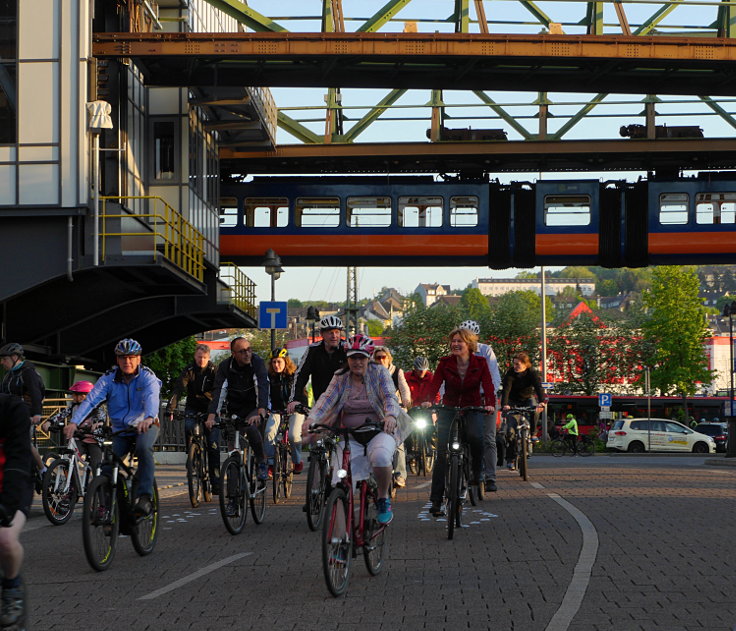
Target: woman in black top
522 388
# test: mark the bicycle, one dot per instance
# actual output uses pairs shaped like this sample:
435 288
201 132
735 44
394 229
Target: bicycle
521 438
198 470
561 446
283 469
319 477
342 535
62 485
239 481
108 508
421 457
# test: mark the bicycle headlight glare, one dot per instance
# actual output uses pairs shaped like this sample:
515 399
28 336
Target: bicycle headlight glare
455 446
342 474
420 423
107 442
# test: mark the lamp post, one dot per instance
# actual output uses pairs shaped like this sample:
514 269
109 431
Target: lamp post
272 263
312 316
729 310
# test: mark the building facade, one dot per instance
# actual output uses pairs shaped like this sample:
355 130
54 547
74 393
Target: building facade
500 286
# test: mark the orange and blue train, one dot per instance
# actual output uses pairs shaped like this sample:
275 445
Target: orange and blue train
416 220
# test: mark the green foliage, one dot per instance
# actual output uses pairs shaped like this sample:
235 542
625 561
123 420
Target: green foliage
514 325
375 328
475 304
576 271
424 332
170 361
675 331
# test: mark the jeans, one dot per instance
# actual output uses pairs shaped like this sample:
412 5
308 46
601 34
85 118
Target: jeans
142 446
295 436
212 441
490 448
474 434
253 434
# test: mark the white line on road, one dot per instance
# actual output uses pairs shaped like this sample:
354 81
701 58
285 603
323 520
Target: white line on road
193 577
423 485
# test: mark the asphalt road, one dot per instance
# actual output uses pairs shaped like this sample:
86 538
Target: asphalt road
587 544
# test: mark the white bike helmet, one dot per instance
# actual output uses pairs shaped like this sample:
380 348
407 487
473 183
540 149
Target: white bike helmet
330 322
470 325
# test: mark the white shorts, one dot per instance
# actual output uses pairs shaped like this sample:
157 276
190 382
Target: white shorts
378 453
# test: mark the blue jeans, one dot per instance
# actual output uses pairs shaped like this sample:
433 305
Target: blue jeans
142 445
212 440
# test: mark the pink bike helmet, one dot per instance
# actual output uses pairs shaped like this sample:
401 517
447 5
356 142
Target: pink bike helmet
359 345
82 387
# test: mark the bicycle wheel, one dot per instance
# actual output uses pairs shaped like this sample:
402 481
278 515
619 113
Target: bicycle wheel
586 448
145 530
453 494
276 486
194 467
470 491
523 458
430 453
232 496
558 447
316 489
287 473
337 542
58 503
204 476
257 491
374 534
100 523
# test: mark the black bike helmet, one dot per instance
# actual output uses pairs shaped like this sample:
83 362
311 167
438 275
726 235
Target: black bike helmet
12 348
278 352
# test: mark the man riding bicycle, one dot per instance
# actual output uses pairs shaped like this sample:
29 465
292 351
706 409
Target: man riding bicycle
572 432
132 393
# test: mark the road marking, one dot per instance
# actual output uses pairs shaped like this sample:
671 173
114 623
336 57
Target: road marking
194 576
423 485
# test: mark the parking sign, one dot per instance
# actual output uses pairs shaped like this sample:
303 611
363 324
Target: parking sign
604 400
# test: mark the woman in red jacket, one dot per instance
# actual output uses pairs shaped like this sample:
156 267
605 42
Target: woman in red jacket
463 374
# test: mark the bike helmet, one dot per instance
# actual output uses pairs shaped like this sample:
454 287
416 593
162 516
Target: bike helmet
128 347
359 345
421 363
330 322
470 325
278 352
82 387
570 416
12 348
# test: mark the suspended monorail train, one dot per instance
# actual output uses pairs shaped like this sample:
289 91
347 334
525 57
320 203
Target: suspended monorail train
415 220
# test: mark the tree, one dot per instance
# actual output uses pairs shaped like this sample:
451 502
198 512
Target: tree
676 331
475 304
514 325
375 328
169 362
577 271
423 332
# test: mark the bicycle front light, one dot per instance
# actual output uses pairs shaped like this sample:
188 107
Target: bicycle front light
342 474
455 446
420 423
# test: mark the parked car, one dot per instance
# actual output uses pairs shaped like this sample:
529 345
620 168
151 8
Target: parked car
638 435
717 431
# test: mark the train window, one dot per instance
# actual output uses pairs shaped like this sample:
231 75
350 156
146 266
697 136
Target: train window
420 212
463 211
228 212
317 212
715 208
368 212
673 208
567 210
266 212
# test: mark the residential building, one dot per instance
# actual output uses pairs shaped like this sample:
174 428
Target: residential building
500 286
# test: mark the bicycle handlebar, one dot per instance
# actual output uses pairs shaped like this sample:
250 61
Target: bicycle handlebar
315 428
467 408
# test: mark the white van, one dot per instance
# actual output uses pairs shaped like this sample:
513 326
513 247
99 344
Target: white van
637 435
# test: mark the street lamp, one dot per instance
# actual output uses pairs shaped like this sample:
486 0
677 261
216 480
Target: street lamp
272 263
729 311
312 316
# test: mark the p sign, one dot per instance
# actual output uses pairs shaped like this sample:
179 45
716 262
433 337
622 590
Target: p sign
272 315
605 400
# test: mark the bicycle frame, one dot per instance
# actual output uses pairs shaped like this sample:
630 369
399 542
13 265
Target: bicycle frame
75 461
239 450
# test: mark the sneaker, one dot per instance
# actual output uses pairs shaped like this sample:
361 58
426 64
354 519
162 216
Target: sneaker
490 486
13 609
143 506
436 510
270 472
511 466
385 514
298 468
339 554
231 510
38 481
263 471
400 481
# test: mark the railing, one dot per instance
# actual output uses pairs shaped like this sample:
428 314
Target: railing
242 290
267 110
160 231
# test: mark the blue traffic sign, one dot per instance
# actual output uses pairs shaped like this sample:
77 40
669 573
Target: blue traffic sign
547 385
605 399
272 315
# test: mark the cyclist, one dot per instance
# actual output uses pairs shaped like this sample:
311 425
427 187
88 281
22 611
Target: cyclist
363 390
462 373
490 454
522 388
419 381
22 380
132 393
242 383
16 495
198 380
572 432
89 445
320 362
281 377
383 356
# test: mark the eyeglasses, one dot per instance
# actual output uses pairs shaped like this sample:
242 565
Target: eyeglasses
380 357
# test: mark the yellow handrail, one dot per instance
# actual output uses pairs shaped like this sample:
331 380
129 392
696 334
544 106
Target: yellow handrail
242 288
171 235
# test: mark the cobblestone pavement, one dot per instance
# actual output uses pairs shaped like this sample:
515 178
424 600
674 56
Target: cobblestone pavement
655 535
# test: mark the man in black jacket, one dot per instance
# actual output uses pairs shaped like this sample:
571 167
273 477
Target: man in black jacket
197 381
16 494
319 362
242 382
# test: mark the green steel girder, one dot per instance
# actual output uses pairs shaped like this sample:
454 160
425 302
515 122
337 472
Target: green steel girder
461 17
299 131
245 15
540 15
359 127
594 18
578 116
382 16
658 16
505 116
726 20
718 109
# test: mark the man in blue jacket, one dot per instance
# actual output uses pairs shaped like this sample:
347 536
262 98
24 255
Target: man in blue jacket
132 394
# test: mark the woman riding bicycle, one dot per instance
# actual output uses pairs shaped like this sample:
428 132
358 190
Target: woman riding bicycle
463 374
281 378
363 392
522 388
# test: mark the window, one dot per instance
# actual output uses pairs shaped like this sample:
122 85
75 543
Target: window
567 210
673 208
266 212
8 67
420 212
463 211
715 208
674 428
368 212
164 150
640 425
317 212
228 212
